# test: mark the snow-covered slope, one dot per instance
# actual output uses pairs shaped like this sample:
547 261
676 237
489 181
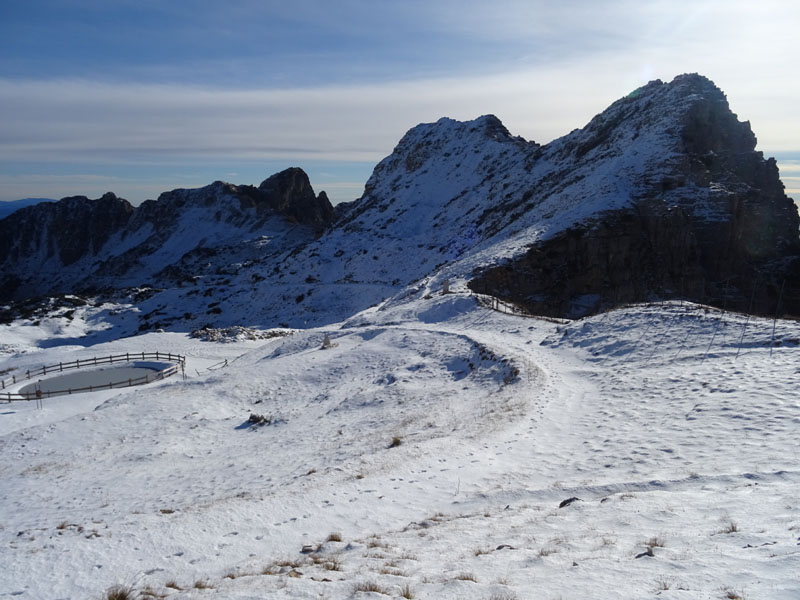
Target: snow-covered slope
426 454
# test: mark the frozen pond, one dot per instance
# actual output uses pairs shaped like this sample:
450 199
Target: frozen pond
133 373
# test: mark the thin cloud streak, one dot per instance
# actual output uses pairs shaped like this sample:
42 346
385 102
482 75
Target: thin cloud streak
89 120
82 121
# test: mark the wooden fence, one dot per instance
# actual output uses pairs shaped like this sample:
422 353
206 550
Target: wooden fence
179 364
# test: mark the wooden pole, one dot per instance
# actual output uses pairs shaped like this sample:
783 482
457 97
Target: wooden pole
775 319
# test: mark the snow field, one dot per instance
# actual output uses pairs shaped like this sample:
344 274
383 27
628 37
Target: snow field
646 414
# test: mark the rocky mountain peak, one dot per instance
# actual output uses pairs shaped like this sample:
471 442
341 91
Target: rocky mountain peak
289 192
447 136
669 198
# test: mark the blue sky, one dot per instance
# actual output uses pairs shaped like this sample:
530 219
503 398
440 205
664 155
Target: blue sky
139 97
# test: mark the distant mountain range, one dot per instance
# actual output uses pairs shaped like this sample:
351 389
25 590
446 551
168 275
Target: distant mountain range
660 195
6 208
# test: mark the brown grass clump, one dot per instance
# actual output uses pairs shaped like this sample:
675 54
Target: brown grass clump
370 586
119 592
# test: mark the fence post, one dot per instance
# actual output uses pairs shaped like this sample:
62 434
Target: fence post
775 319
60 367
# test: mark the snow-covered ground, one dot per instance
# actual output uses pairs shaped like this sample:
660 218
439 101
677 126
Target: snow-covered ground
425 454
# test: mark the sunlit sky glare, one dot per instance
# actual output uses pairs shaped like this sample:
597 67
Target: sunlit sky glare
143 96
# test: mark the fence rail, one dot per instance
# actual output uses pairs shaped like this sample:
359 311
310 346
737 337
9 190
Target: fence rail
510 308
179 364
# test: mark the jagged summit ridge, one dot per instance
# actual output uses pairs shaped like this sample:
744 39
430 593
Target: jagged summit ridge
77 244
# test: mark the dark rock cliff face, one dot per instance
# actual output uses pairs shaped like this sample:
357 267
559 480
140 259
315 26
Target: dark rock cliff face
70 229
711 225
289 192
77 244
36 239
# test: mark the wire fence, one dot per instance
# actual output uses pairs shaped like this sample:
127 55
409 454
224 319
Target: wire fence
510 308
179 364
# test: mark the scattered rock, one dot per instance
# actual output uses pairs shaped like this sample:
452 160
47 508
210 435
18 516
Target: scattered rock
568 501
236 333
259 420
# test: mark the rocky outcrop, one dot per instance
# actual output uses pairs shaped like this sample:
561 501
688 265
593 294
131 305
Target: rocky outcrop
290 193
708 222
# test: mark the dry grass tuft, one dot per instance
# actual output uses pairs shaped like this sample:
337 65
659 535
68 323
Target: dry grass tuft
730 527
149 592
506 595
294 563
662 584
334 536
370 586
120 592
270 570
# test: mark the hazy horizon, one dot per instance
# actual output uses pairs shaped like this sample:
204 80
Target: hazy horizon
140 98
